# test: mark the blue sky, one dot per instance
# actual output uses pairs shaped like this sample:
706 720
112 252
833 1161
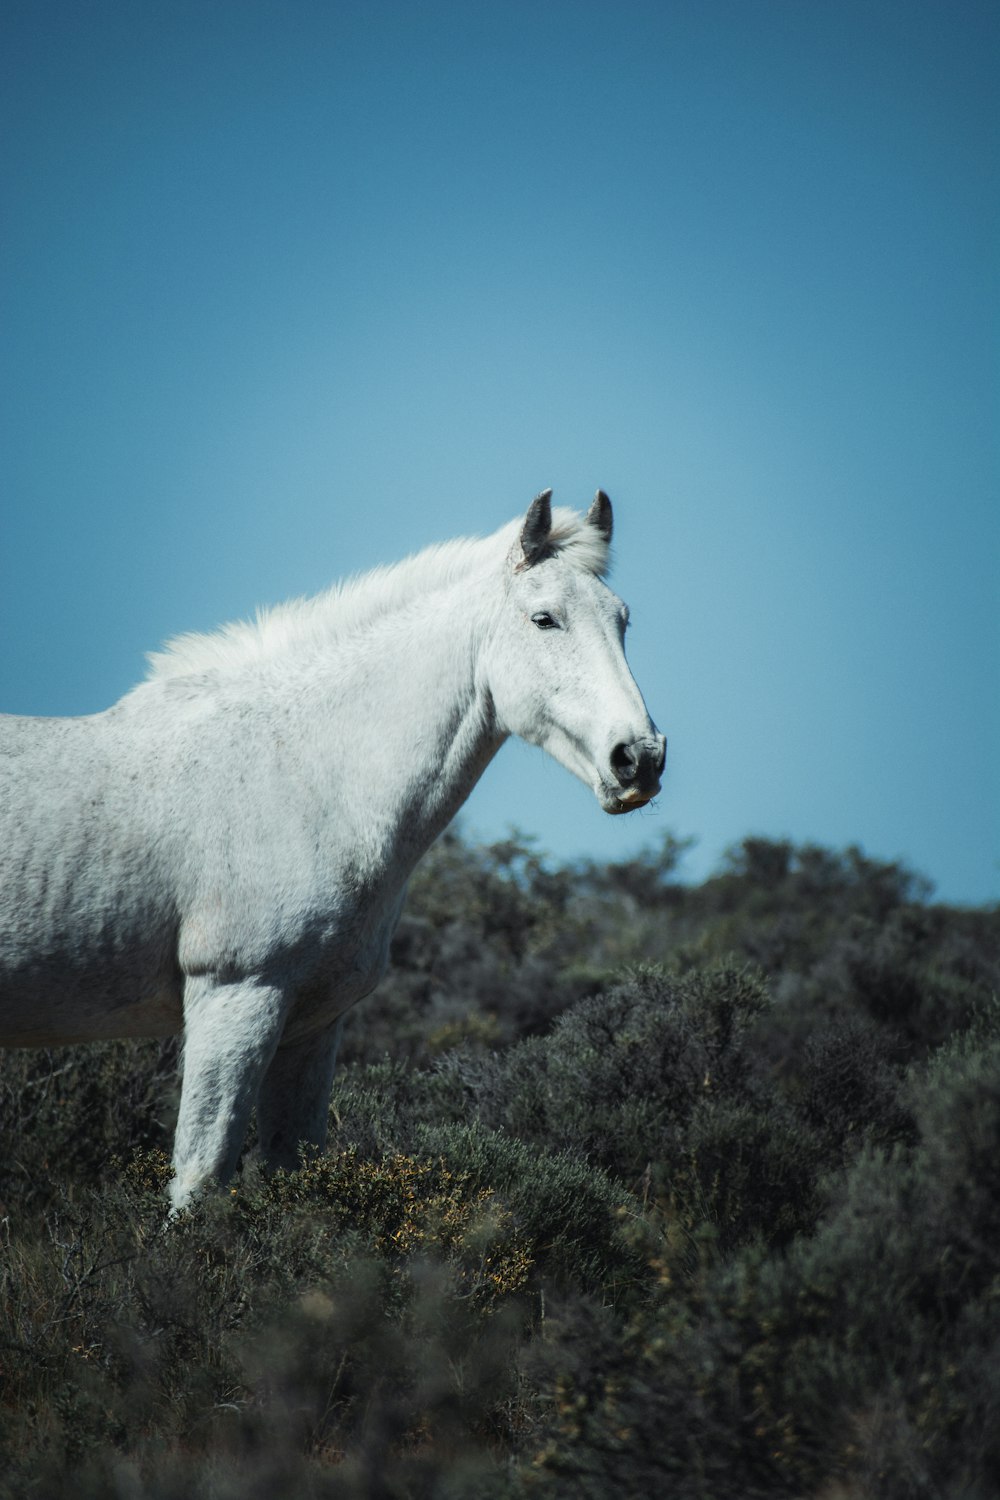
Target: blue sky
287 290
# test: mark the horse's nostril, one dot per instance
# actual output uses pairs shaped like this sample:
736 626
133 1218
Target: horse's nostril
624 763
663 759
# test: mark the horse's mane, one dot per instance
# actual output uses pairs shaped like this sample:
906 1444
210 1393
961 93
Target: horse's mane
357 602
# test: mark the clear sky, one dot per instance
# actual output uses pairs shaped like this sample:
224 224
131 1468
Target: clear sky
289 289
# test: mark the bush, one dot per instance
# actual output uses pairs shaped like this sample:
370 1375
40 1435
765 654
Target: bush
632 1188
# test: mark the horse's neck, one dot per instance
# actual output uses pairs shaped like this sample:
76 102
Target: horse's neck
412 722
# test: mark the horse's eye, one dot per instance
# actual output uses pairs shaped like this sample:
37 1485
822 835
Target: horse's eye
544 621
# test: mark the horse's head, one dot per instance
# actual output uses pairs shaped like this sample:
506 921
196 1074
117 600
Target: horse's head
558 675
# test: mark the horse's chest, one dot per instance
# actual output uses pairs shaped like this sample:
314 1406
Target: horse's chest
352 960
343 958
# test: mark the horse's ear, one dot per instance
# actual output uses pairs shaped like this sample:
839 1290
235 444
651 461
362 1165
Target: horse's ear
600 515
536 528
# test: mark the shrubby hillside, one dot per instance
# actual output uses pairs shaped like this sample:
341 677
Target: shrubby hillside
634 1188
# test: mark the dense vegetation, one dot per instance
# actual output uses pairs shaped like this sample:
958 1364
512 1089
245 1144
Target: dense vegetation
634 1188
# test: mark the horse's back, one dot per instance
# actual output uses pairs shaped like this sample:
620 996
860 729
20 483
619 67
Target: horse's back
84 920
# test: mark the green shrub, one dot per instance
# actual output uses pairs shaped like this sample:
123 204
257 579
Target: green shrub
65 1111
722 1224
621 1074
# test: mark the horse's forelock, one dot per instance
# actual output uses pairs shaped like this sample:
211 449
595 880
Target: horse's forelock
582 544
573 537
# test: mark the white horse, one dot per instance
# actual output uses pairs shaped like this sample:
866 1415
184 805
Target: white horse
225 851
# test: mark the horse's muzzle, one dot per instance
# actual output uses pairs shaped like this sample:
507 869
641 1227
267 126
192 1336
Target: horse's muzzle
637 768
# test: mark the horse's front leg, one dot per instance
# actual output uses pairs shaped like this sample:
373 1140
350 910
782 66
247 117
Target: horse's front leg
293 1106
231 1031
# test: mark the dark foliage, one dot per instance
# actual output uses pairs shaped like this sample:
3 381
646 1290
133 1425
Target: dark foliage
633 1188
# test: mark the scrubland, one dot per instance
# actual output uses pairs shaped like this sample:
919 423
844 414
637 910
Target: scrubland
633 1188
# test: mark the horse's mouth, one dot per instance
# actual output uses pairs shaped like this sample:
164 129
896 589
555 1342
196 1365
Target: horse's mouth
625 801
